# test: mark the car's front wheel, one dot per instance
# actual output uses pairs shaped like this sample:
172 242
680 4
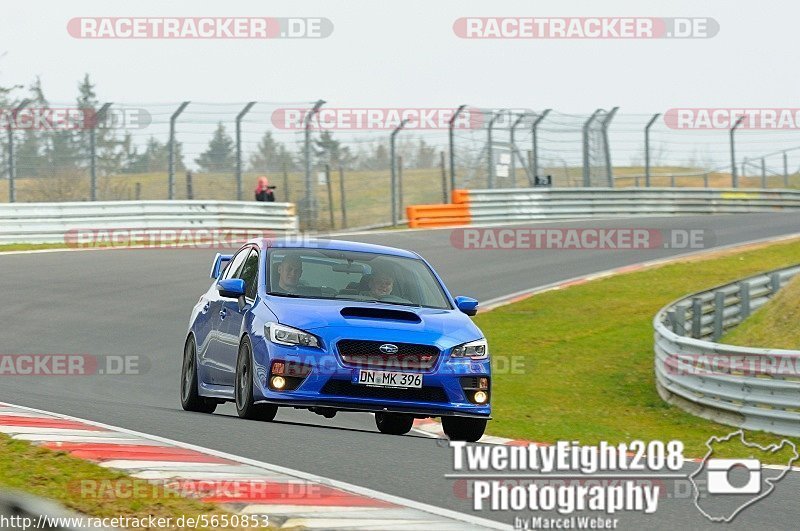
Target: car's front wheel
394 423
243 389
463 429
190 398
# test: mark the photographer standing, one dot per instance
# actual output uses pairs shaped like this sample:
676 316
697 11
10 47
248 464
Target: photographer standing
264 192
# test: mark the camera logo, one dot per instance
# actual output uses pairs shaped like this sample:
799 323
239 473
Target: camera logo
724 487
720 472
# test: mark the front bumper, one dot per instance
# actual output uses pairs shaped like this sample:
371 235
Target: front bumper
329 384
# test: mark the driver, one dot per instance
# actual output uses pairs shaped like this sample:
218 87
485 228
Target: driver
381 282
289 271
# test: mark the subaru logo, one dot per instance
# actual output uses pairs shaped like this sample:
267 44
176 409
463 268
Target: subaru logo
388 348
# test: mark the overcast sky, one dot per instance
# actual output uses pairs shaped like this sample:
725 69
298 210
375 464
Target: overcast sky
406 53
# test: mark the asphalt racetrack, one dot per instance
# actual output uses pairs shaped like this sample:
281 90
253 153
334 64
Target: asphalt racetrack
124 302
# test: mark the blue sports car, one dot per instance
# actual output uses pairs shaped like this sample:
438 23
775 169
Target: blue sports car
335 326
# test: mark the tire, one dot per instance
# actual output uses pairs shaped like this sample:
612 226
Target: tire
463 429
394 423
243 388
190 397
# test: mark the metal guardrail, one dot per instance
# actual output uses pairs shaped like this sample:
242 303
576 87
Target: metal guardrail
752 388
50 222
510 205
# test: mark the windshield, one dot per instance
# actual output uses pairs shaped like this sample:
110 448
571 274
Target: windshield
356 276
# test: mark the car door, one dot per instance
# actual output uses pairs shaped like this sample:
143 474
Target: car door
234 317
213 362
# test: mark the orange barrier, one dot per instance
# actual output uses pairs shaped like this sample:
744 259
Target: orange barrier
459 197
444 215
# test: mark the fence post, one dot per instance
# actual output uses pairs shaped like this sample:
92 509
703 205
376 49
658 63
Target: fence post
286 182
12 170
239 118
444 178
138 191
785 170
705 180
171 154
744 299
719 308
490 151
309 200
189 185
452 141
734 177
586 165
535 146
606 148
679 323
775 282
343 198
697 317
100 115
400 187
393 167
330 193
647 150
763 173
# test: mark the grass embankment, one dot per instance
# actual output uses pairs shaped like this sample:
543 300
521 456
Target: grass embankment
774 325
587 353
87 488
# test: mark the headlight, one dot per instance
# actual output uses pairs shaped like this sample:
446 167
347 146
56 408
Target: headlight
286 335
476 350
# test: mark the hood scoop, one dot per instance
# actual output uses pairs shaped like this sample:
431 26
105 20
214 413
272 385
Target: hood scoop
358 312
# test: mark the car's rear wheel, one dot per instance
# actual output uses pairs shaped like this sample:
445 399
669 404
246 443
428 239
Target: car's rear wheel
190 398
245 407
463 429
394 423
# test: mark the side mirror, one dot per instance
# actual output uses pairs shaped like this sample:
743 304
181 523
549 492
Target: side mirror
468 305
232 288
219 263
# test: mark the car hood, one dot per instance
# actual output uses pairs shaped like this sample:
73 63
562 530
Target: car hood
445 328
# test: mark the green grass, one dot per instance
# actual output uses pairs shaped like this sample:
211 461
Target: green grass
72 482
774 325
586 354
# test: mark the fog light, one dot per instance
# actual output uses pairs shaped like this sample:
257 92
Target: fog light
480 397
278 367
278 382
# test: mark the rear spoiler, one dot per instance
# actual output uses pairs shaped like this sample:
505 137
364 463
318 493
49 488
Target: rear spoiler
220 261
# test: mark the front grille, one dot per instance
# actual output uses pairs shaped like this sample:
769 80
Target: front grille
409 356
347 388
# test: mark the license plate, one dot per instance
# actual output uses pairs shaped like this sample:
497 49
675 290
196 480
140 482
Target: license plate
388 379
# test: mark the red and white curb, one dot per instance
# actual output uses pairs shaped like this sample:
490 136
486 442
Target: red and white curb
291 498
